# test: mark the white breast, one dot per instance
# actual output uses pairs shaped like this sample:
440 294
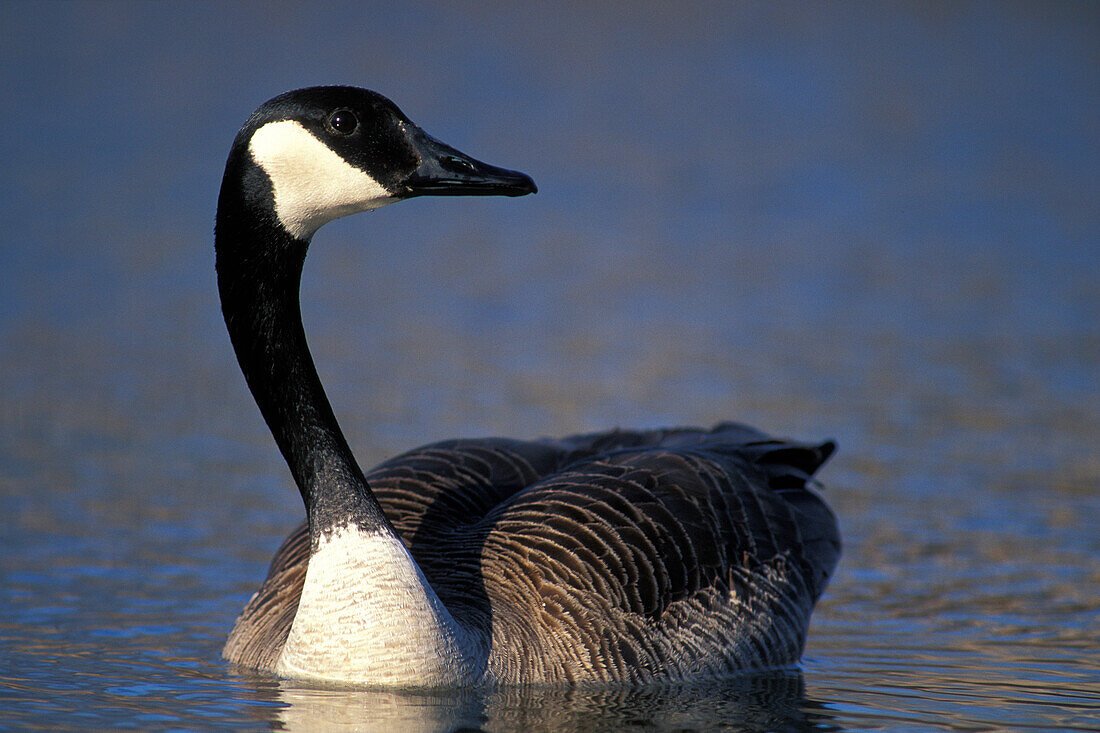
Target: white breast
369 616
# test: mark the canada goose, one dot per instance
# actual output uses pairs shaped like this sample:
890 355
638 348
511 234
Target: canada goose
620 556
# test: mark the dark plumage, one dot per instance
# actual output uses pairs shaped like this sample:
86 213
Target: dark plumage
623 556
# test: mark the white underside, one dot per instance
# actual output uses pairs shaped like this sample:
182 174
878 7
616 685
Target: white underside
312 184
369 616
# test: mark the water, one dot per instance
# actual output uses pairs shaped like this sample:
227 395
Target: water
877 223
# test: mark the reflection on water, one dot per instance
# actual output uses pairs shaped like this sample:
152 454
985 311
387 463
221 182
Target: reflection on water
875 223
766 701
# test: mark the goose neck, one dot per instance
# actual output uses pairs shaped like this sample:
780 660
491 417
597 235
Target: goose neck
259 274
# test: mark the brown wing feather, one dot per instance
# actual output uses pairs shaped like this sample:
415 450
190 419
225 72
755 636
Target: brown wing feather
621 555
261 630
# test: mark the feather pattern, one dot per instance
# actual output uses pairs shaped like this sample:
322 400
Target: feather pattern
621 556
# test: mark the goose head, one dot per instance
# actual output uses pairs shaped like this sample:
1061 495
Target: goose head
313 155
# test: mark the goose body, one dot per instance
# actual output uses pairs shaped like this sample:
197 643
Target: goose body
626 556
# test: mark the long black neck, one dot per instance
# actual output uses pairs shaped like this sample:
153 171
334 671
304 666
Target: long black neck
259 276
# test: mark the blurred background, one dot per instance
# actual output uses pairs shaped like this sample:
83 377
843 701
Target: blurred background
878 223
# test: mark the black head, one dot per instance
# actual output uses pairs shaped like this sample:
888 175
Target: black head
327 152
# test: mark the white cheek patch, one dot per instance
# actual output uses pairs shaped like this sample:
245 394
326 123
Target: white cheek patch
312 184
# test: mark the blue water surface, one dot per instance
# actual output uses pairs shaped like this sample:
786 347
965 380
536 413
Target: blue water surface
873 222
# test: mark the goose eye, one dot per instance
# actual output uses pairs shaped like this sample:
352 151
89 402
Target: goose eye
343 121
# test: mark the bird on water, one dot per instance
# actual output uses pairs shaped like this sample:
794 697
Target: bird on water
623 556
